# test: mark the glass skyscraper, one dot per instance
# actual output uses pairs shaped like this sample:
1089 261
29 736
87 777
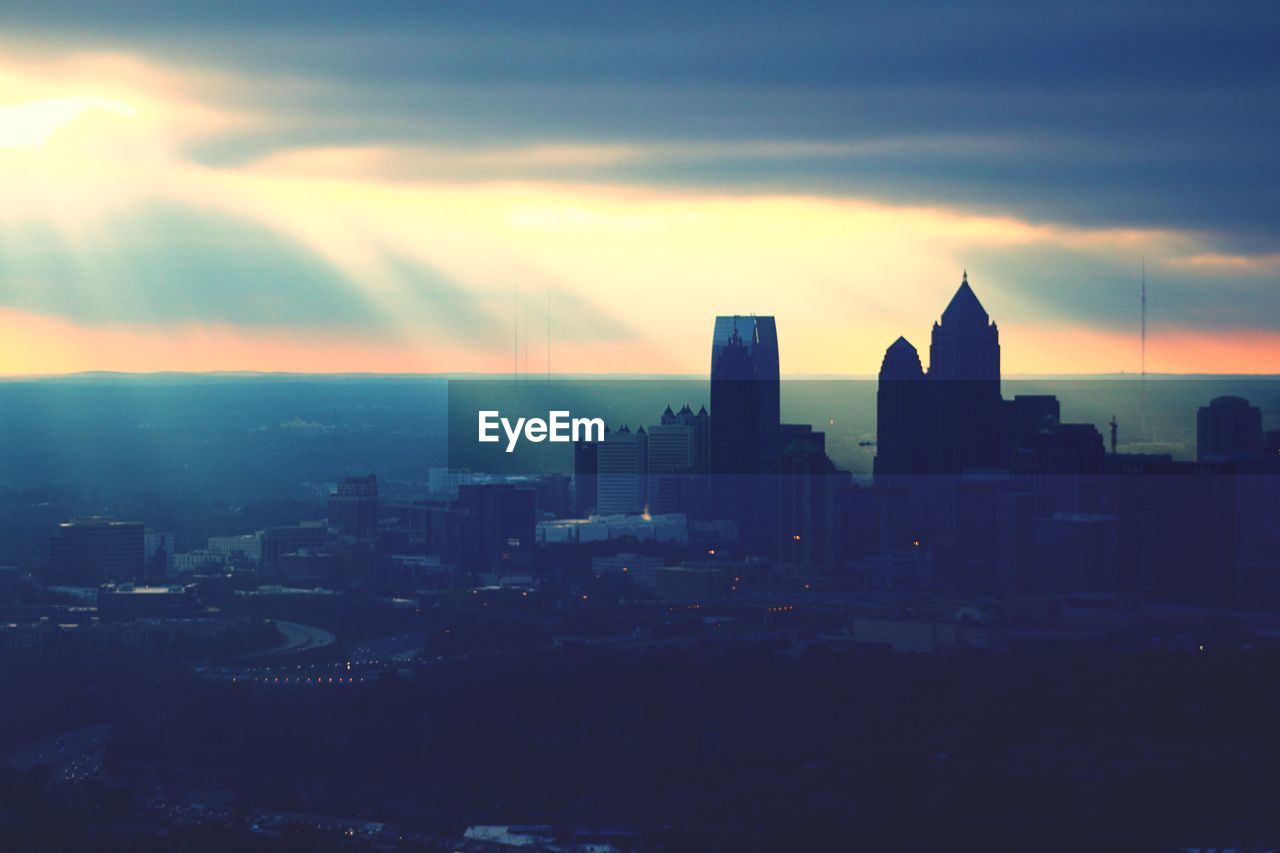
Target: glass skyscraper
745 414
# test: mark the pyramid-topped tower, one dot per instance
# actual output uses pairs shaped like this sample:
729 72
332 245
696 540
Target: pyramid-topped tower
950 422
966 344
901 361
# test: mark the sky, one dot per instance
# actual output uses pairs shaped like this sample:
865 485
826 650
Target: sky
320 187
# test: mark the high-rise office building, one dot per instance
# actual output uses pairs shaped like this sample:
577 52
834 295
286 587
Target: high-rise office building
1024 418
497 524
157 551
942 423
554 496
901 412
948 419
745 395
810 491
622 468
745 416
353 508
964 369
678 462
97 550
586 467
1228 430
966 343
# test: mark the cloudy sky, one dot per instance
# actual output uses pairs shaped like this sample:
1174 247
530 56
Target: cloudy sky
312 186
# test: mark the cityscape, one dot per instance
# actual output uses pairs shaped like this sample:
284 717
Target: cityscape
570 427
987 527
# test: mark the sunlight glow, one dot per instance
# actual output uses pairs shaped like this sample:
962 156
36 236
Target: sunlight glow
642 268
32 124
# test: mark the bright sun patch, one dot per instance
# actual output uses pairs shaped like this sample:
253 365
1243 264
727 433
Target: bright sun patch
32 124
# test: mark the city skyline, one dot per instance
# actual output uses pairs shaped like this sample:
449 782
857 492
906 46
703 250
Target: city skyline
992 531
376 196
675 426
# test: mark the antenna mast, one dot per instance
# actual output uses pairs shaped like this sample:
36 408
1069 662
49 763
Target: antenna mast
1143 346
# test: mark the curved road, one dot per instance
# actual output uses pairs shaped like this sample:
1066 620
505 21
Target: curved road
297 638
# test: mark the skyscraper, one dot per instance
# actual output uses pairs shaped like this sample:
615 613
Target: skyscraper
497 525
586 455
809 493
745 408
353 507
901 412
745 415
157 553
678 462
622 463
941 423
951 421
1228 430
964 367
966 344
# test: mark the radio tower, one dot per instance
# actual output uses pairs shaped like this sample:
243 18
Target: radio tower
1143 350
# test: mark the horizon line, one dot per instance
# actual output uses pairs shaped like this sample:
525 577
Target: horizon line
542 377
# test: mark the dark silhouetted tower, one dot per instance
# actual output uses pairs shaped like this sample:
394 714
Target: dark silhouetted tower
745 407
497 525
586 468
810 490
966 344
353 507
940 424
745 414
964 368
1228 430
952 420
901 412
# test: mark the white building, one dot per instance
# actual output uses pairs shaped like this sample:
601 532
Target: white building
244 547
673 527
193 561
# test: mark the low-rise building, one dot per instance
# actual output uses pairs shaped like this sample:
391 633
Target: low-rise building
692 584
637 569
